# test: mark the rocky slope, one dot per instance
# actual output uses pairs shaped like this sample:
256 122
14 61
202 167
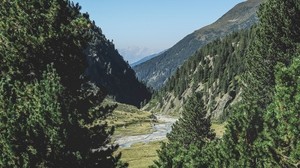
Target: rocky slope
215 70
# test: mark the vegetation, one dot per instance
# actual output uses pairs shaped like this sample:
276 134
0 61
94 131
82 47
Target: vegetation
189 135
129 120
106 68
215 70
263 130
49 108
57 68
140 155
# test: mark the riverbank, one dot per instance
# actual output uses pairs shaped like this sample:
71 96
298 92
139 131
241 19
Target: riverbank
141 150
159 133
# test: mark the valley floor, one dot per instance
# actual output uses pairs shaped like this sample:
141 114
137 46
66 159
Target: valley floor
141 150
160 130
139 134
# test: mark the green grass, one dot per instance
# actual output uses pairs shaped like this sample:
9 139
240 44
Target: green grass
219 129
140 155
129 120
128 124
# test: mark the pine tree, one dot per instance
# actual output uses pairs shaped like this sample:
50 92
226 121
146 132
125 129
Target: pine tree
30 122
189 134
194 118
281 135
275 39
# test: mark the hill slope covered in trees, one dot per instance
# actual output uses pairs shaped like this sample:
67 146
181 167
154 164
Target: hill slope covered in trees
263 129
215 70
107 68
156 71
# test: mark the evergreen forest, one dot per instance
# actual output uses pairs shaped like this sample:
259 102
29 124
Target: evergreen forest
57 69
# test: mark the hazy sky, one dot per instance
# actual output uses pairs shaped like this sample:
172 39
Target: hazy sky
142 27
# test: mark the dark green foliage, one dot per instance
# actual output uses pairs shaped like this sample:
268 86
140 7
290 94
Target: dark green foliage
276 38
189 135
31 121
274 42
48 110
194 118
54 34
281 135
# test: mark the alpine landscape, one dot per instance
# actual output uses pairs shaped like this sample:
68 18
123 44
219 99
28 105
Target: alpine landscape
226 95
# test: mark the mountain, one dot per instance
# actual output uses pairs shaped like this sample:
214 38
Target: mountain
214 70
135 53
107 68
156 71
146 59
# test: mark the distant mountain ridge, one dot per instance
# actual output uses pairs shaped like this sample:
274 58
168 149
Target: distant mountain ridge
146 59
156 71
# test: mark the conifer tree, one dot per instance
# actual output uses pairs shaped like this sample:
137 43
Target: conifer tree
31 122
280 140
194 118
189 134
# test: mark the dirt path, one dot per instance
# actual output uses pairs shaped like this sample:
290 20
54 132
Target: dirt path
159 133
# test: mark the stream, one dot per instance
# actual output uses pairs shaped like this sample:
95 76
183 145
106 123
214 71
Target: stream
159 133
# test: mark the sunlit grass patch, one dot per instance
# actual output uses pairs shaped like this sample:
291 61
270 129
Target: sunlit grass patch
140 155
219 128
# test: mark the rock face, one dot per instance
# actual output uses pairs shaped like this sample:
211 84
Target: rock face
156 71
221 105
107 68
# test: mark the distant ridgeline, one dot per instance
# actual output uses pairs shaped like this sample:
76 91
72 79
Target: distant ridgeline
214 70
107 68
155 72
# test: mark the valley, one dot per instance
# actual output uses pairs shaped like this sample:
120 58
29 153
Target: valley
226 95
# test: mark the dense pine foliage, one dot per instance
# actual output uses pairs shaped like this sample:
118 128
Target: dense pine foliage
48 107
263 130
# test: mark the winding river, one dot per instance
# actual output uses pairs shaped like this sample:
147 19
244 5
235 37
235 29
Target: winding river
159 133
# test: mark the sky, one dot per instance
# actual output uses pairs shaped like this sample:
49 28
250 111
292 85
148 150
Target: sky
140 28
